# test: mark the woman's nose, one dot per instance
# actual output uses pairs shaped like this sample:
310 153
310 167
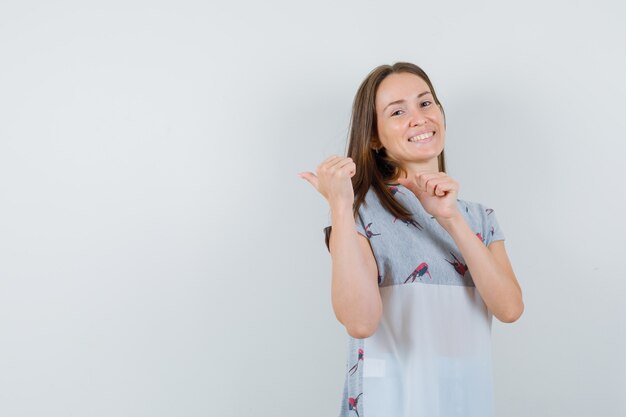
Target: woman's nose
417 118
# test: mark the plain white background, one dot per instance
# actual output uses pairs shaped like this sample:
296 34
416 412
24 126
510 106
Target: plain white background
159 255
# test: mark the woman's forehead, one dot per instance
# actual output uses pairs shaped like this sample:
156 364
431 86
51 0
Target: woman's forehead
399 86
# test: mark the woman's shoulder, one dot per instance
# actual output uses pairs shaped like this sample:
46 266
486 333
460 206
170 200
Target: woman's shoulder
371 196
473 206
483 217
469 204
479 214
396 190
372 200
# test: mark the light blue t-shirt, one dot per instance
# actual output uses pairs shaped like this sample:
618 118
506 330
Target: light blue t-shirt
431 354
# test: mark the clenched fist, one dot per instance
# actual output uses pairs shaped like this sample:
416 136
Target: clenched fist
436 191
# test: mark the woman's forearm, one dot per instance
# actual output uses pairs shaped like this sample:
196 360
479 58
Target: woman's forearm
355 294
498 289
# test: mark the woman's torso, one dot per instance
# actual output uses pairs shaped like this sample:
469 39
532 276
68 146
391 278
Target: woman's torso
431 354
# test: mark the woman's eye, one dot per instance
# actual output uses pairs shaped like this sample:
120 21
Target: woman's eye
426 103
396 113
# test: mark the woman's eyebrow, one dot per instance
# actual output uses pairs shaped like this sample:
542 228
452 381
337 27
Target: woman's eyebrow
402 100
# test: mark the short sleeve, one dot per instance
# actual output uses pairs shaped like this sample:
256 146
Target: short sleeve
358 222
492 228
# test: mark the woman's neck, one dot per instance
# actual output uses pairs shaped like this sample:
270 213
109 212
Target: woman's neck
410 170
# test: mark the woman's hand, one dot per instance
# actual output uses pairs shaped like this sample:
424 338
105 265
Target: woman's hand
333 180
436 191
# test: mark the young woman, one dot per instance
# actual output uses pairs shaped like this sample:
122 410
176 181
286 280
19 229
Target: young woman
417 273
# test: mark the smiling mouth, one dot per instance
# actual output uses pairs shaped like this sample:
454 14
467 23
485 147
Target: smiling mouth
421 137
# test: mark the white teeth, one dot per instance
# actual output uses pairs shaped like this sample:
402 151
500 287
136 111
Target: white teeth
421 137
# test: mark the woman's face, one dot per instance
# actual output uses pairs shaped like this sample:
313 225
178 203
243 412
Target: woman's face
410 124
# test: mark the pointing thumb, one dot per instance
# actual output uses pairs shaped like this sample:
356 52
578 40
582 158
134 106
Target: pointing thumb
310 177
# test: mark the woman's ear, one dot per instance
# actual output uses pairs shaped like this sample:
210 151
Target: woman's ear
375 144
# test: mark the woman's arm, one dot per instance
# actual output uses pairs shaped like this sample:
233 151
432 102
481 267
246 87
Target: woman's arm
490 268
355 294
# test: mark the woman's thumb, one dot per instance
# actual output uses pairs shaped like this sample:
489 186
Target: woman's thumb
310 177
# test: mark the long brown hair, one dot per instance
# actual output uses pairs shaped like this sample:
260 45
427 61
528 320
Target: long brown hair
373 168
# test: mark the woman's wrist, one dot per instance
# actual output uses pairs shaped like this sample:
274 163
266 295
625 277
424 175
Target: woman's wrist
341 208
451 222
